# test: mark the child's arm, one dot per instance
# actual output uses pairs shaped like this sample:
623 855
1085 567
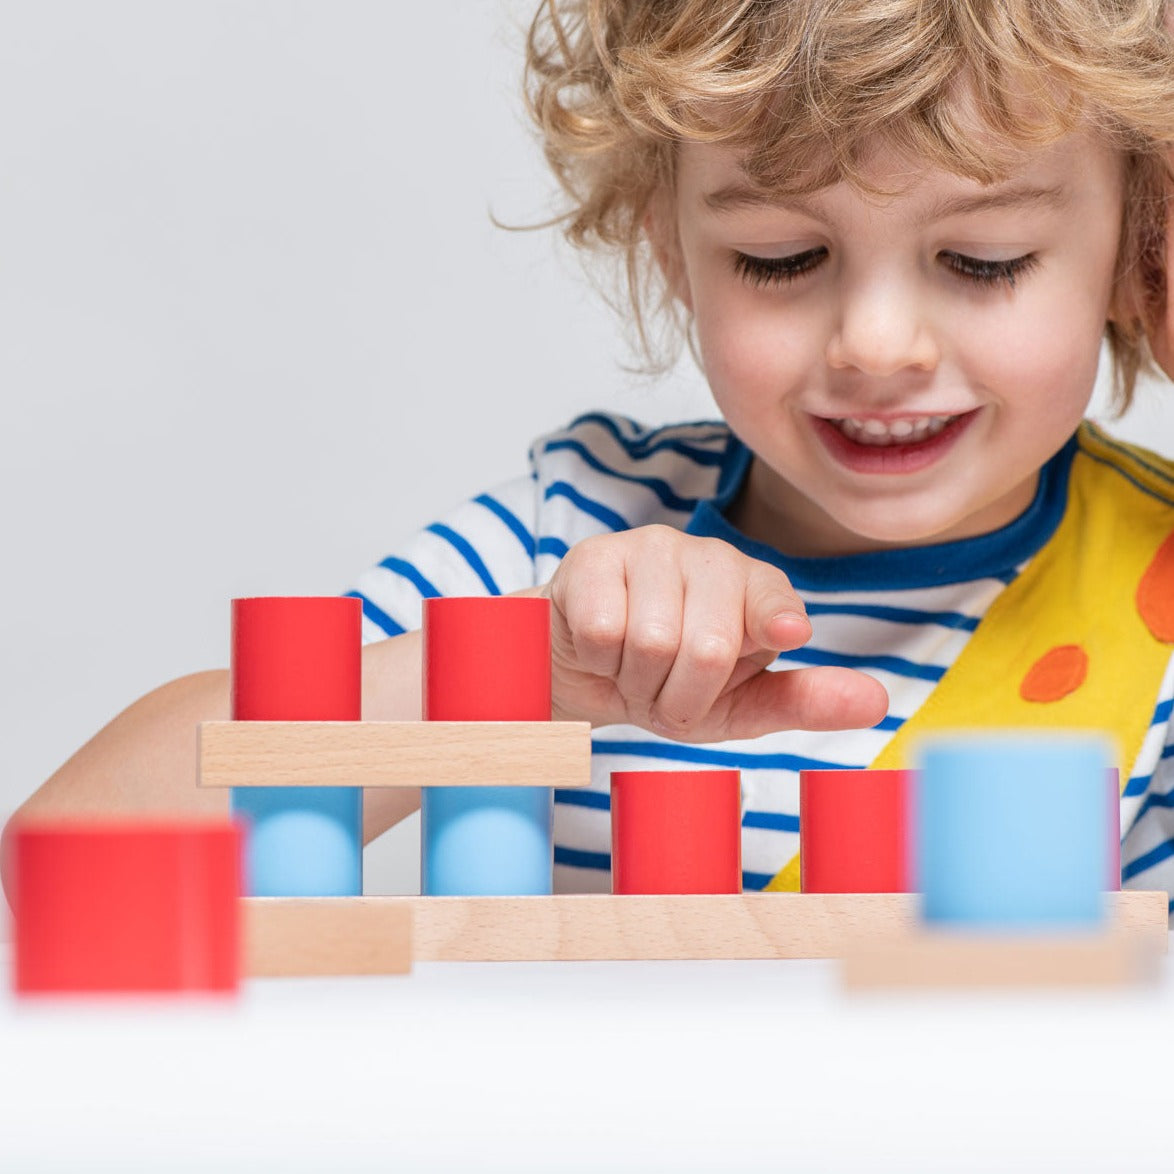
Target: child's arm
144 761
650 627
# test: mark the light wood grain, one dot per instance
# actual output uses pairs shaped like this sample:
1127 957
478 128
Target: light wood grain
394 754
299 936
591 927
924 959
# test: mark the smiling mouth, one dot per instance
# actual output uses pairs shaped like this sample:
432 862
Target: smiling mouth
901 430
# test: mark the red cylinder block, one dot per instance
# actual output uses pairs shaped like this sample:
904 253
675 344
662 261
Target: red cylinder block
854 831
676 831
297 659
487 659
126 906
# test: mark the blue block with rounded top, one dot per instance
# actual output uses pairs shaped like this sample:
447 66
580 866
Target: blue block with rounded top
1011 831
486 841
302 841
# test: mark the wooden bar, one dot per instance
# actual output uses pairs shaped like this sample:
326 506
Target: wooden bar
591 927
939 959
300 936
394 754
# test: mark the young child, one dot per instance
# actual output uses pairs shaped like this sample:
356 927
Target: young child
895 236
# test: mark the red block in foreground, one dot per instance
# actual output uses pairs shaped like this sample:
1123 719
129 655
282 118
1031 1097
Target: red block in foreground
127 906
676 831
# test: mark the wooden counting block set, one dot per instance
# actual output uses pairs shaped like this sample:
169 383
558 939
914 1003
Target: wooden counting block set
480 743
297 756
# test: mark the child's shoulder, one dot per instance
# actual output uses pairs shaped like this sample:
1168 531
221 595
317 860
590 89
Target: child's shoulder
1128 468
678 463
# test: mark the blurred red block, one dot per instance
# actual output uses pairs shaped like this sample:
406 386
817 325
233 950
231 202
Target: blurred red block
126 906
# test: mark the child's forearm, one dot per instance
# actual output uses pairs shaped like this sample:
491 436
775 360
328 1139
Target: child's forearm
144 760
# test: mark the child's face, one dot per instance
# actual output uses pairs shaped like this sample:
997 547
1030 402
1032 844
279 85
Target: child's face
894 384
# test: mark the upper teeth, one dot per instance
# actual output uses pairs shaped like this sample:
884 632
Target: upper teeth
906 430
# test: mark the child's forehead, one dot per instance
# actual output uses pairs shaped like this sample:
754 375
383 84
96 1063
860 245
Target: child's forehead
719 178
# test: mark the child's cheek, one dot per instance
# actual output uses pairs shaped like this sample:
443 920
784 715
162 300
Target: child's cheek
753 349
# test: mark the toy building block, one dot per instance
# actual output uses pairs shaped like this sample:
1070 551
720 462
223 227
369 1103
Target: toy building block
676 831
121 906
394 754
299 659
603 927
853 831
1011 831
1013 846
486 659
303 936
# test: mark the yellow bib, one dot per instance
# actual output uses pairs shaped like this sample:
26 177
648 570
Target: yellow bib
1082 638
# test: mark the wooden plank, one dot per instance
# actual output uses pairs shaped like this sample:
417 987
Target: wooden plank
394 754
300 936
593 927
925 959
749 925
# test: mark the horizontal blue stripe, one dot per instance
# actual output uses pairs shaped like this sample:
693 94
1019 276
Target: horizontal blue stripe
1161 801
599 800
402 567
665 493
771 821
755 882
897 665
889 722
1136 786
1162 713
576 859
1168 751
465 549
376 615
644 445
1154 857
896 615
555 546
704 755
595 509
510 519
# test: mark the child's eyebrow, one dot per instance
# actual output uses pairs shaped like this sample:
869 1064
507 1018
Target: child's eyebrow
735 196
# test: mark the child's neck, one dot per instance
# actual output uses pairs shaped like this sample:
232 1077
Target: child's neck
768 510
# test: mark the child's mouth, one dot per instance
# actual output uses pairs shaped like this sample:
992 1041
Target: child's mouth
904 444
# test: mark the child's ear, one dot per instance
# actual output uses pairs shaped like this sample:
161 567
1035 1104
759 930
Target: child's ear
660 223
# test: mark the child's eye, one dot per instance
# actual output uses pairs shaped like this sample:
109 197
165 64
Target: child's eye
986 272
762 271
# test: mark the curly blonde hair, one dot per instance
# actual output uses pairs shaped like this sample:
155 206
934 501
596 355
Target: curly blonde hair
803 89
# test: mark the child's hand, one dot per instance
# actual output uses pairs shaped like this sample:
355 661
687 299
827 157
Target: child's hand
659 629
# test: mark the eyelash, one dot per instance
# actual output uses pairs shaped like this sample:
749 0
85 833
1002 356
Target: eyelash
764 271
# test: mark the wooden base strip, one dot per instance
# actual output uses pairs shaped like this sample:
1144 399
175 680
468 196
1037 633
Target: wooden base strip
299 936
924 960
394 754
591 927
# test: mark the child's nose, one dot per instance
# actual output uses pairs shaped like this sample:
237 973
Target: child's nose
881 332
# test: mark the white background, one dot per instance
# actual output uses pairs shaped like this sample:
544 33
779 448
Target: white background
256 325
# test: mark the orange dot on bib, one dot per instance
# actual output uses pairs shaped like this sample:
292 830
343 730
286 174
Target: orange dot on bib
1060 671
1155 593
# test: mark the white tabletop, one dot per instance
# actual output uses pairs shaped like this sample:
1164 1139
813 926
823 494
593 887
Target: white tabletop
590 1066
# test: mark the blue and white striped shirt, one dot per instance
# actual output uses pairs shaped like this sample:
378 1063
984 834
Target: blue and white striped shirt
901 615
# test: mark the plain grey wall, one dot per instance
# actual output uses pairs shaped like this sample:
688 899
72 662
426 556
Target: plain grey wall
256 325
